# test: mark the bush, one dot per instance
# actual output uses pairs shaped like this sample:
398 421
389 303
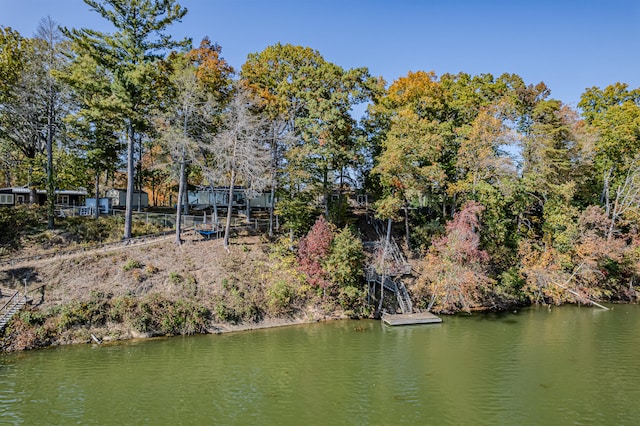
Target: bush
122 308
190 285
312 252
89 230
279 297
239 302
32 318
17 222
296 212
131 264
158 315
174 278
151 269
351 299
92 312
344 262
183 317
511 283
223 312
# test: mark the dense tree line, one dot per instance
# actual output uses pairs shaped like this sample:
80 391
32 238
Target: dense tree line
502 194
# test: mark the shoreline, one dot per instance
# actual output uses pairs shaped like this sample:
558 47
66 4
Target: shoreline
18 336
159 289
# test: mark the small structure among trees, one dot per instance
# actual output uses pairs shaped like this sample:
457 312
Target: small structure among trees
118 198
23 195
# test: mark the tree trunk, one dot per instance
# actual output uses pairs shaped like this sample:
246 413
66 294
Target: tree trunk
272 207
33 196
340 198
274 178
326 193
51 192
613 213
227 226
128 216
407 232
604 197
154 195
185 195
96 214
215 209
384 258
139 176
387 241
381 293
181 186
248 210
431 302
183 172
453 204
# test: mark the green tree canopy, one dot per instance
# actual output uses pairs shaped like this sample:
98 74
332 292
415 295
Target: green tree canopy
131 55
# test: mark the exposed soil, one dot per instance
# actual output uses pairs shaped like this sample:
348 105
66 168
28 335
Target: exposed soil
118 271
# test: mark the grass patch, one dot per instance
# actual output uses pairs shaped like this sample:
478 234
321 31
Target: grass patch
131 264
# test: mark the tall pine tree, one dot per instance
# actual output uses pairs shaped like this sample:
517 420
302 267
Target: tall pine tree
131 54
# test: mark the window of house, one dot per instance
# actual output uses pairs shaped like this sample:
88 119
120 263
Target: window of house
63 199
6 198
238 197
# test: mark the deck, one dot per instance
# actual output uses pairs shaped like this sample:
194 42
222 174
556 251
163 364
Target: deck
409 319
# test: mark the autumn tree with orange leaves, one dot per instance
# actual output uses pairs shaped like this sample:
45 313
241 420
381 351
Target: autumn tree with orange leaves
198 89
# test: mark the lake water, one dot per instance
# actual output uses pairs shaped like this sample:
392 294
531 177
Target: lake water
568 365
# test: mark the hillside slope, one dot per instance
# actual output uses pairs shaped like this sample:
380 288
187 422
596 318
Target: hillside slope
157 289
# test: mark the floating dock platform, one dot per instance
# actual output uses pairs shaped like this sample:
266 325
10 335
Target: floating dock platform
409 319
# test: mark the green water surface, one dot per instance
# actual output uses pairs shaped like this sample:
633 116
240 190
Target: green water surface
568 365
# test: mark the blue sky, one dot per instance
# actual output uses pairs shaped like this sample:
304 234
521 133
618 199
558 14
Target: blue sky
568 44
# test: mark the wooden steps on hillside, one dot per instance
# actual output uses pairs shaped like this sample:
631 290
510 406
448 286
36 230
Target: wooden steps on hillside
10 308
394 285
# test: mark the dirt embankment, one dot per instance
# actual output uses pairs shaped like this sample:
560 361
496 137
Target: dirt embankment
156 289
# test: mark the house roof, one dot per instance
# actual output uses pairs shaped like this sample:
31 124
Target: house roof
71 192
27 190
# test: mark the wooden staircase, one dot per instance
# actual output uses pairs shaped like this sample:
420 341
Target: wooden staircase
10 308
394 285
395 268
401 266
406 306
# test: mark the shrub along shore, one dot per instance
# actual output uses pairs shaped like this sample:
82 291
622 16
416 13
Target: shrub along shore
163 289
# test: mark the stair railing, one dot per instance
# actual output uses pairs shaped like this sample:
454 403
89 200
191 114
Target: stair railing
4 307
403 298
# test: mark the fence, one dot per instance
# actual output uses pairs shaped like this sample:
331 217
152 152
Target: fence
168 220
163 220
192 221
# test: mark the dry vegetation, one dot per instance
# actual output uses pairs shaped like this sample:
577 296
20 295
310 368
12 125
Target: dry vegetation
158 289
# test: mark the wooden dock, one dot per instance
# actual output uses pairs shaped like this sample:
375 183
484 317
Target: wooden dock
409 319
